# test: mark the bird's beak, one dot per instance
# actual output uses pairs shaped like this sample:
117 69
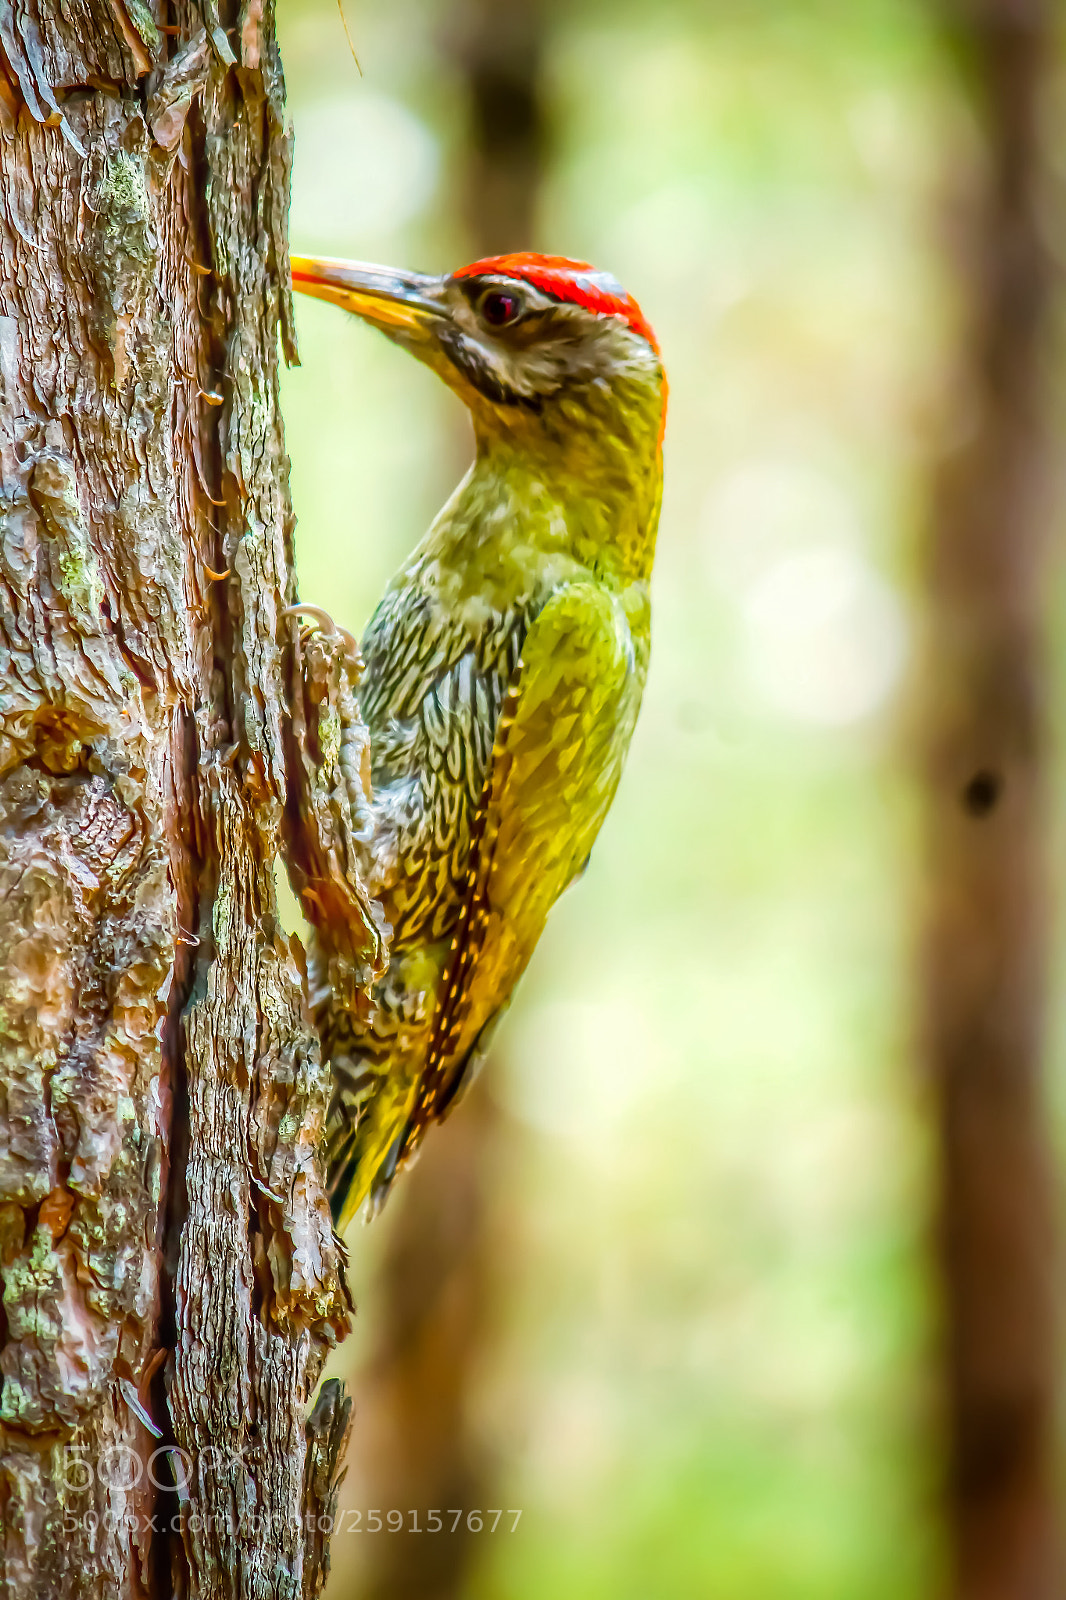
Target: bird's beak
405 305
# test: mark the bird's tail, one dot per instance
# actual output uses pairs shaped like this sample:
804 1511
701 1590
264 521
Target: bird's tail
365 1127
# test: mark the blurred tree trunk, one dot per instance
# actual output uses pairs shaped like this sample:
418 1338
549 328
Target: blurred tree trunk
170 1281
498 46
418 1442
985 954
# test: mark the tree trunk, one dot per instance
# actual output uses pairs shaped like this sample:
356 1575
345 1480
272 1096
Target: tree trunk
170 1279
986 681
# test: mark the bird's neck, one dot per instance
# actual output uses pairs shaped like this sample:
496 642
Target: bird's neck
587 495
515 530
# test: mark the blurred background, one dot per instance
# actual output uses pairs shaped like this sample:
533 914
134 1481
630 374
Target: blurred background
686 1280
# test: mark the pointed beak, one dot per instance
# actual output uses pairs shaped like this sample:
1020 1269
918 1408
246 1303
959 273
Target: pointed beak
405 305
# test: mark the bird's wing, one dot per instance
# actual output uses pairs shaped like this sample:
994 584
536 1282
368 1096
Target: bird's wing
433 691
560 743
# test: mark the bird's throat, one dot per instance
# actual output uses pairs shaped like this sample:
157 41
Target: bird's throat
518 527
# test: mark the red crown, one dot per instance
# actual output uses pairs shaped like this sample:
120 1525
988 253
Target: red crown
575 282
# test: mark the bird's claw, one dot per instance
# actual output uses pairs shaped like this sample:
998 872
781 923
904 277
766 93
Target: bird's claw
326 624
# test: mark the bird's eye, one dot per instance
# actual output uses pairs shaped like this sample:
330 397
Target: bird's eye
498 308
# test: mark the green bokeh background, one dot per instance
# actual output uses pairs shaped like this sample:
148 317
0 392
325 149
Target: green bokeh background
711 1374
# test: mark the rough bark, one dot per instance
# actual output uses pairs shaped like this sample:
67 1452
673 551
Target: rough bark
167 1259
986 683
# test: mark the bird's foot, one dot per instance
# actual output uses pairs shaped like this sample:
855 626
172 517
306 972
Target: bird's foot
315 616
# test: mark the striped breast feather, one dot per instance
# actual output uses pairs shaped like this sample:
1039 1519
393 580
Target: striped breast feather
560 743
412 642
430 756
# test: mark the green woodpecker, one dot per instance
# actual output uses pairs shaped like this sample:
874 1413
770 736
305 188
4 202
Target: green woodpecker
504 667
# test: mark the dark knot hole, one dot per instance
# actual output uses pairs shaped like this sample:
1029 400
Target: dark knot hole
982 792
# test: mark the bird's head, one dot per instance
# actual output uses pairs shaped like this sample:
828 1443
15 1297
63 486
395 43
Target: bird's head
550 355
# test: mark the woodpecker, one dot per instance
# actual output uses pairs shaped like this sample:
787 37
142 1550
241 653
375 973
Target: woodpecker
504 668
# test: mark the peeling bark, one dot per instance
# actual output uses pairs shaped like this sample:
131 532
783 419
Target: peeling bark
171 1283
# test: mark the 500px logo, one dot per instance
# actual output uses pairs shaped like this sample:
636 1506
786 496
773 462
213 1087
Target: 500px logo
120 1467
